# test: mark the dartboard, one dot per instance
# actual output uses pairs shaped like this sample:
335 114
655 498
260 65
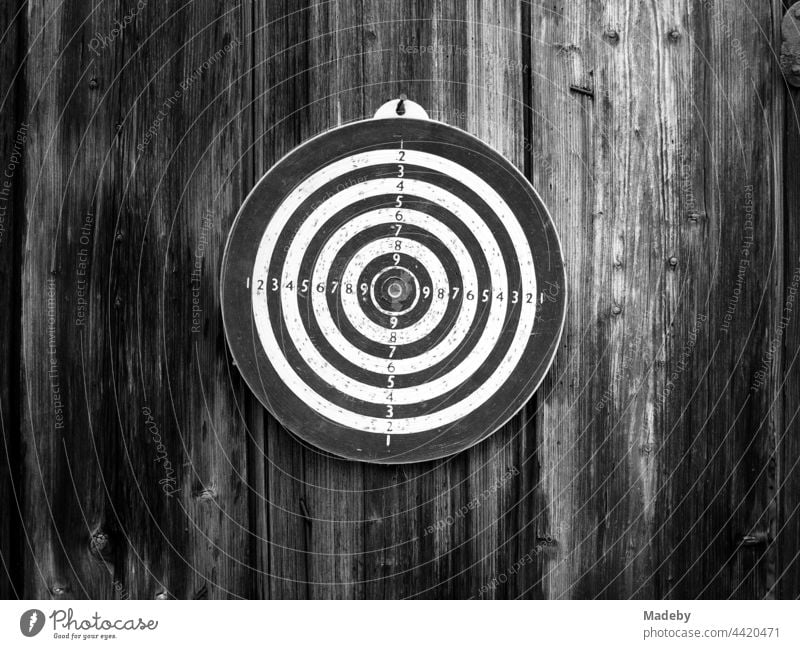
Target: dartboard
393 290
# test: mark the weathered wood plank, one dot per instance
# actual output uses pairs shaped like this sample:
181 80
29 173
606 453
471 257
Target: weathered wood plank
308 70
14 131
400 558
67 461
561 150
787 480
278 43
333 487
721 418
138 492
182 184
463 64
502 472
649 171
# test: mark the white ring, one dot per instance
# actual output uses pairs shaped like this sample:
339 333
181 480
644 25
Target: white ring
287 210
346 384
423 327
351 306
356 389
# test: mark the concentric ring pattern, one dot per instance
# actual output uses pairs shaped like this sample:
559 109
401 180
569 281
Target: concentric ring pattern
393 290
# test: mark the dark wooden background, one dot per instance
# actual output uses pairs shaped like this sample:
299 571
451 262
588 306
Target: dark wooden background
659 459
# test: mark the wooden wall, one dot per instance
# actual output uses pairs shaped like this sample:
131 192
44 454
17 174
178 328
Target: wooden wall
660 457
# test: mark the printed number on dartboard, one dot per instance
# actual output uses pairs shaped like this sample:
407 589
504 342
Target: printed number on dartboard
482 295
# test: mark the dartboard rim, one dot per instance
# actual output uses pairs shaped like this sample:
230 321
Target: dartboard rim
287 419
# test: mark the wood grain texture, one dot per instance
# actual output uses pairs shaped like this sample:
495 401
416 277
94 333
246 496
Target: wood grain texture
722 416
183 186
297 49
657 463
137 492
14 132
439 530
66 463
596 114
786 491
659 458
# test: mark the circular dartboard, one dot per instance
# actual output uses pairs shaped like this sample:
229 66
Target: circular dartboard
393 290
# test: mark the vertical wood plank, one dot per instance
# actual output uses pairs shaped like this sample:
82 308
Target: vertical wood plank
333 487
422 537
652 133
135 487
279 43
307 67
65 463
14 132
722 414
503 472
561 151
183 181
787 480
399 559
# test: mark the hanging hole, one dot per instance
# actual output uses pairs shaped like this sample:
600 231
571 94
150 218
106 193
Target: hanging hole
400 107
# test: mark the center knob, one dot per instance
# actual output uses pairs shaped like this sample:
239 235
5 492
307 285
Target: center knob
395 290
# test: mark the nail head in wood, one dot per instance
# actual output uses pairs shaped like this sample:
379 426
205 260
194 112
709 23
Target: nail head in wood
582 90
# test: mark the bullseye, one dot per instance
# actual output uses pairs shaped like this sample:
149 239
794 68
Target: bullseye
393 290
396 289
